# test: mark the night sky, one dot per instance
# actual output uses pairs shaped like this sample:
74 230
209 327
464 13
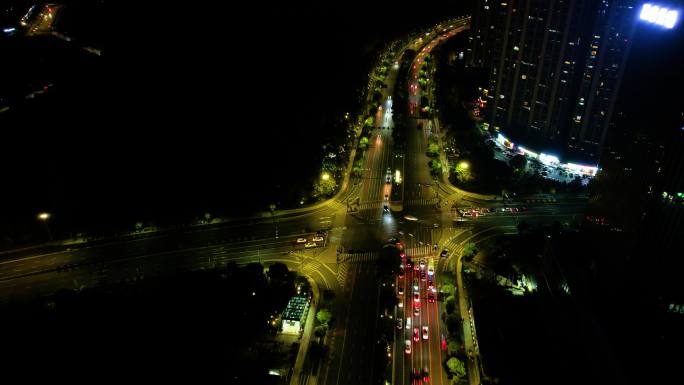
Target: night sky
211 108
191 109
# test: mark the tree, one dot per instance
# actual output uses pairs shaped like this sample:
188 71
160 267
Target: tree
456 367
453 323
435 166
447 288
469 251
320 330
324 188
278 272
389 261
323 316
433 149
453 347
363 142
450 304
518 162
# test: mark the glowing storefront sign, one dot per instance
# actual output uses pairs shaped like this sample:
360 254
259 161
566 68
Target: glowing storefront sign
658 15
548 159
527 152
582 169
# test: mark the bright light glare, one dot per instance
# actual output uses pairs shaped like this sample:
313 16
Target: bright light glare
325 176
658 15
43 216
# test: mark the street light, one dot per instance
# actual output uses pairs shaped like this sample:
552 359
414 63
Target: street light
272 207
325 176
44 218
463 165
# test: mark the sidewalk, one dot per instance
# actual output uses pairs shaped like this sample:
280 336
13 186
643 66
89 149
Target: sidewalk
306 336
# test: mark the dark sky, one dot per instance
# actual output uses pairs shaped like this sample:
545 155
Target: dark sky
204 106
651 94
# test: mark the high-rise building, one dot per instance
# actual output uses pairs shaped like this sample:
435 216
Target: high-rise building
554 69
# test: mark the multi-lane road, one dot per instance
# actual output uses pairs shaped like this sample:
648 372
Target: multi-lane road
356 225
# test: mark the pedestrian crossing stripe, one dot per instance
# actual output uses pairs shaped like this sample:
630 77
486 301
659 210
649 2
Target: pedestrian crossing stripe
342 273
411 202
367 256
420 251
422 201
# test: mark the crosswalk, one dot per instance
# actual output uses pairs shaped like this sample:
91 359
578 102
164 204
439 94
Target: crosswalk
421 202
410 202
550 200
420 251
367 256
342 269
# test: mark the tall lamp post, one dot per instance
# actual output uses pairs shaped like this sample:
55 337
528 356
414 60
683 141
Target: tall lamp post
44 218
272 207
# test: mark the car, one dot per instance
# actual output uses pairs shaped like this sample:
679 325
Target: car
422 263
444 344
416 267
385 208
309 245
426 375
415 285
386 197
402 254
425 332
431 270
423 276
401 304
431 287
301 240
407 348
401 290
416 311
431 298
409 263
400 323
444 253
408 323
401 272
416 334
416 376
318 239
416 297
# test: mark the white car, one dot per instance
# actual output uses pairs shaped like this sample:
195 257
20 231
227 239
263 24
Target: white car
408 323
407 349
318 239
422 263
425 332
301 240
309 245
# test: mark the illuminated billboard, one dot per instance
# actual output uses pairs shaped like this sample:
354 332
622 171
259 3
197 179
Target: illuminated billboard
661 16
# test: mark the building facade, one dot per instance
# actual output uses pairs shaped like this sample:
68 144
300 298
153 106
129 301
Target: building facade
554 69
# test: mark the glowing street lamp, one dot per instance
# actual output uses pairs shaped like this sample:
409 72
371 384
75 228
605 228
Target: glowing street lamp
44 218
325 176
463 165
